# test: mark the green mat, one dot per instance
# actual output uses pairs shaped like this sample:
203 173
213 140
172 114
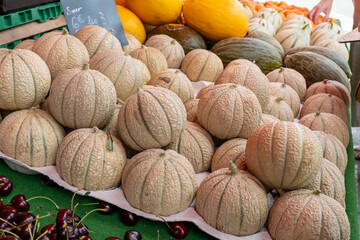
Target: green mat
101 225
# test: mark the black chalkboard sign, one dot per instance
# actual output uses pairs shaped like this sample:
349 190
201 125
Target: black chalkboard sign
79 13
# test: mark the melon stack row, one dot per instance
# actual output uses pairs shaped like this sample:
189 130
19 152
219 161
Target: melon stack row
107 102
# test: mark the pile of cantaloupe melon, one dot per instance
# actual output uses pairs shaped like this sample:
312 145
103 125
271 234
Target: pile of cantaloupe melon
107 102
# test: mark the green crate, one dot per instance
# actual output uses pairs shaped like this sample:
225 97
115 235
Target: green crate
13 44
40 13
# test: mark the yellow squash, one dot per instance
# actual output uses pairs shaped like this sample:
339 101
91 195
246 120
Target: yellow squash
156 12
216 19
132 24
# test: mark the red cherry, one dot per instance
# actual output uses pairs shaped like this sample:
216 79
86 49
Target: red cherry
178 230
44 237
8 216
19 202
6 186
112 238
82 230
11 208
24 218
108 206
67 232
64 216
51 231
1 203
132 235
24 232
128 218
9 238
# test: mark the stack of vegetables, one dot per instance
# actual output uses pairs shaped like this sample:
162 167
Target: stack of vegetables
108 102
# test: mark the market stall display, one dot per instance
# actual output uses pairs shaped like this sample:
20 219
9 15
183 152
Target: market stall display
236 90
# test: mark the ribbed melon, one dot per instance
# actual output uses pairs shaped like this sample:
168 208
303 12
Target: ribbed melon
126 73
196 145
283 155
26 44
24 79
202 65
81 98
329 181
232 201
176 82
330 87
61 51
261 24
328 25
266 38
133 44
271 15
325 34
152 58
293 37
31 136
228 110
188 38
172 50
230 151
90 159
152 118
328 123
96 38
333 150
326 52
291 78
316 68
191 110
326 103
249 75
335 46
278 108
306 214
264 54
267 118
287 94
112 125
159 182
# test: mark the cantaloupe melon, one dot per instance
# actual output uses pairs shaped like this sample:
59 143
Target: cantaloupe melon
266 118
159 182
112 125
333 150
283 155
24 79
249 75
96 38
196 145
91 159
191 110
26 44
287 94
232 201
202 91
176 82
133 44
152 58
306 214
230 151
126 73
229 110
278 108
152 118
31 136
82 98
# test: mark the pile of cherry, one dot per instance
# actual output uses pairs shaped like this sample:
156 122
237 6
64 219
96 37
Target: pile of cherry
17 223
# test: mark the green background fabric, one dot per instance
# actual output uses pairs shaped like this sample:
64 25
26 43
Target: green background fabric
101 225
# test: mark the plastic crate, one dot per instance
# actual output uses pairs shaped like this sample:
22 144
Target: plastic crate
13 44
40 13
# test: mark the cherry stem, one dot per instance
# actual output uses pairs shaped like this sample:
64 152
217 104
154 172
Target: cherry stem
35 210
11 233
87 228
7 222
47 215
165 223
87 204
30 232
43 234
36 223
87 214
2 184
73 213
57 207
72 199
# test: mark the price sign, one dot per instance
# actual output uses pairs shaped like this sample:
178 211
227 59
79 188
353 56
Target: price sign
79 13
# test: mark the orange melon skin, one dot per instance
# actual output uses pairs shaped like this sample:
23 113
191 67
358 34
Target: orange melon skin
216 19
131 23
